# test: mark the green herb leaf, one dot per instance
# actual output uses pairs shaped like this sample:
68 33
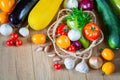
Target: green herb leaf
81 17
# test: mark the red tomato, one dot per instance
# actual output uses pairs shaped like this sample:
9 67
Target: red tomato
71 49
14 36
62 29
57 66
91 31
9 42
18 42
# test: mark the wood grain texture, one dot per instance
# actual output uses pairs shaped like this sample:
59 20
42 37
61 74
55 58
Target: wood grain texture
24 63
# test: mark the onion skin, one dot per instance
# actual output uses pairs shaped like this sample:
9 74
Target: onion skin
86 5
95 62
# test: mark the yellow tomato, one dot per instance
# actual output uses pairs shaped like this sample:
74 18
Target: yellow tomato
3 17
7 5
63 41
39 38
108 68
107 54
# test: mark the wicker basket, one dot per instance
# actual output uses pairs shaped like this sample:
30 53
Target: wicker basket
82 53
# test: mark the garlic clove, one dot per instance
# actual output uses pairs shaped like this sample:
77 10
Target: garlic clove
56 59
51 55
69 63
47 48
38 49
24 31
82 67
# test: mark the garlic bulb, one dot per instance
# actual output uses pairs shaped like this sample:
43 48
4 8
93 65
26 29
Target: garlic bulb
95 62
70 4
24 31
69 63
82 67
6 29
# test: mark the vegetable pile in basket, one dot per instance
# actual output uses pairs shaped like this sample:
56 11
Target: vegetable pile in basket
77 31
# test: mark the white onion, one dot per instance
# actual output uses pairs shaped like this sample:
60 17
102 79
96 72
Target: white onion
6 29
70 4
74 35
24 32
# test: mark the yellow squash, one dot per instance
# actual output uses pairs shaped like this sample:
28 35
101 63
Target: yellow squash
43 13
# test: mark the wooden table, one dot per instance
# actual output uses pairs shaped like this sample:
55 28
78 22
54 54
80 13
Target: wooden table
23 63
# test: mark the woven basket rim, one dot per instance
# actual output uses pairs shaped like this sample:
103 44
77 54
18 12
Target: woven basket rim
79 53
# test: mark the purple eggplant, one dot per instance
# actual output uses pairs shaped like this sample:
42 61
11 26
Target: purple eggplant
19 14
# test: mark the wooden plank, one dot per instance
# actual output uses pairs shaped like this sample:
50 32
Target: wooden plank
24 61
94 75
40 62
7 61
74 75
44 66
16 62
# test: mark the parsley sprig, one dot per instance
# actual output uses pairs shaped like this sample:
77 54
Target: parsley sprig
80 16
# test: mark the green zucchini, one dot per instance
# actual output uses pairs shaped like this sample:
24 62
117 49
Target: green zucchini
111 21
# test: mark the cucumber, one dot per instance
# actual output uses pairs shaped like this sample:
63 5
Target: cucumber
111 21
116 6
20 12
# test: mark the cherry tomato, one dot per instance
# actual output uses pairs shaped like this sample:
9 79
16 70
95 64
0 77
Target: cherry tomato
7 5
39 38
10 42
71 49
3 17
91 31
107 54
62 29
57 66
18 42
14 36
63 41
108 68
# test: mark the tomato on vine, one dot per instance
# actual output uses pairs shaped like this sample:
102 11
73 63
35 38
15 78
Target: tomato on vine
18 42
9 42
14 36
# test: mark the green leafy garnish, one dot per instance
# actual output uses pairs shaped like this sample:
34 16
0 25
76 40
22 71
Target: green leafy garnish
77 19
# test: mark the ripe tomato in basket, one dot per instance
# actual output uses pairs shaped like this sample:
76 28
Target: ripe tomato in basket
91 31
62 29
71 48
